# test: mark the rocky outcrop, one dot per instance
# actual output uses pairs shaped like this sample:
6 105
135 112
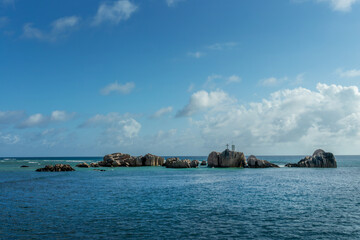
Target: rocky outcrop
227 159
203 163
177 163
125 160
83 165
319 159
94 164
253 162
56 168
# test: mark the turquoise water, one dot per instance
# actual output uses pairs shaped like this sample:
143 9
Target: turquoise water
160 203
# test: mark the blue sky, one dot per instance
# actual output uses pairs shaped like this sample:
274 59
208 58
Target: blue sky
179 77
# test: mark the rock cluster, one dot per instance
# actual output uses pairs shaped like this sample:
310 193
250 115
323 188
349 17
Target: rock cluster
253 162
226 159
319 159
177 163
56 168
125 160
83 165
203 163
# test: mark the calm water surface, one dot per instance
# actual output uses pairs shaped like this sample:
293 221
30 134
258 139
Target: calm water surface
159 203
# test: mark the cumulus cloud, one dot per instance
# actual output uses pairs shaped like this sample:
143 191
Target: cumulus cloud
59 28
295 119
9 117
340 5
348 73
118 88
233 79
117 129
196 54
272 81
223 46
203 100
114 12
40 120
162 112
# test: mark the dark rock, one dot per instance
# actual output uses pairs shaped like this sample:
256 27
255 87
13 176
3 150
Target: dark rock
56 168
227 159
99 170
319 159
93 164
83 165
24 166
152 160
203 163
194 163
253 162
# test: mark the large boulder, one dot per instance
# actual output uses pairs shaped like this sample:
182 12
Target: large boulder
178 163
56 168
253 162
83 165
227 159
319 159
125 160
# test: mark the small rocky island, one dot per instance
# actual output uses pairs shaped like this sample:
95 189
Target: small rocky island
319 159
56 168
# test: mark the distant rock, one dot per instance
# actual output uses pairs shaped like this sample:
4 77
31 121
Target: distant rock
94 164
319 159
227 159
23 166
253 162
56 168
125 160
177 163
203 163
83 165
99 170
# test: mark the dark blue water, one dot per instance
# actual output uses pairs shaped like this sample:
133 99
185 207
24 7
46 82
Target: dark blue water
160 203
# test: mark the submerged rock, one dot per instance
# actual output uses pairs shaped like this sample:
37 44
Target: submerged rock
227 159
253 162
177 163
125 160
83 165
56 168
23 166
319 159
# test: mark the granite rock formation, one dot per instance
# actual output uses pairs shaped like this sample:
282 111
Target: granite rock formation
227 159
203 163
125 160
83 165
177 163
56 168
319 159
253 162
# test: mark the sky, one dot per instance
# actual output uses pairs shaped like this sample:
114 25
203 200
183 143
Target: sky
179 77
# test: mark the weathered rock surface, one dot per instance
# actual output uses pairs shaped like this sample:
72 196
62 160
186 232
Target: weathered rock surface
125 160
93 164
253 162
319 159
203 163
83 165
177 163
227 159
56 168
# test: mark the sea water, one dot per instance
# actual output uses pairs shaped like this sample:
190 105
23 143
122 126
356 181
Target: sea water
160 203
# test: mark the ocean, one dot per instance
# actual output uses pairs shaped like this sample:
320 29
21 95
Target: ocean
160 203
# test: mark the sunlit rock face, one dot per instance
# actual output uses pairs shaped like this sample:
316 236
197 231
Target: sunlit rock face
227 159
319 159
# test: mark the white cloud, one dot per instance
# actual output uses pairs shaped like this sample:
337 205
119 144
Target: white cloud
340 5
348 73
40 120
272 81
223 46
196 54
9 138
233 79
210 81
118 88
117 129
191 87
202 100
162 112
289 121
114 12
9 117
60 28
172 3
